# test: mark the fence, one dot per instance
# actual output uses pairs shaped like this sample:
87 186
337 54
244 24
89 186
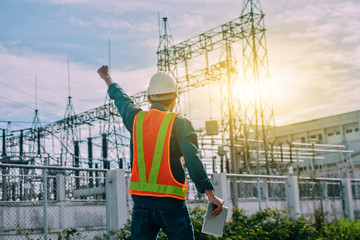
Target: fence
24 209
335 198
81 198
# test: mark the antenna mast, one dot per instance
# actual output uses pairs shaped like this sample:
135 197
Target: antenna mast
70 136
109 57
69 79
36 125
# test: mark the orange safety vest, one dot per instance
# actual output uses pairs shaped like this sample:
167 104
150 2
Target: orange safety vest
151 173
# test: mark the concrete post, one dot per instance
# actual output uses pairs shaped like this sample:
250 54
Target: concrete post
60 187
259 192
27 187
117 191
347 199
45 196
292 196
221 189
60 198
107 182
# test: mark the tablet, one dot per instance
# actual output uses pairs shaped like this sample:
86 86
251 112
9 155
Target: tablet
211 225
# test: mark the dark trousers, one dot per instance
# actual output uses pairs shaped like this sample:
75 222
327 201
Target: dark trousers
173 220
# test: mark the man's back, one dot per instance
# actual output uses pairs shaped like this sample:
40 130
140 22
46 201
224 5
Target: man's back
183 142
160 204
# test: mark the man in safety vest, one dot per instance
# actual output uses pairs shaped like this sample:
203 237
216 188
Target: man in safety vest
159 139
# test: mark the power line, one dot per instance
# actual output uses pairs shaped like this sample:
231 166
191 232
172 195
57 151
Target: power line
20 125
16 121
15 104
9 86
19 105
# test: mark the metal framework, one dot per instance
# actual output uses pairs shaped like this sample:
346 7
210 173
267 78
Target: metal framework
70 136
236 123
259 122
256 118
247 130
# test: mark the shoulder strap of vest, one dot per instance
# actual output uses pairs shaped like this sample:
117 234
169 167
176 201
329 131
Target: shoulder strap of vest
140 147
159 146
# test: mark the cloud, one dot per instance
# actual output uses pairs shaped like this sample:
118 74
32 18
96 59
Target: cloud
69 1
317 42
104 5
312 45
110 22
356 57
318 19
52 75
87 89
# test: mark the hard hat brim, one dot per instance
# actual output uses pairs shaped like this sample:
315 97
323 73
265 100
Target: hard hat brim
165 96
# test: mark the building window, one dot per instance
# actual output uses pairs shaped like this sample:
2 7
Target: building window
348 130
320 140
356 129
330 134
338 133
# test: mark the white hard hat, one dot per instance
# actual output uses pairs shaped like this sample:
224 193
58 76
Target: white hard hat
162 86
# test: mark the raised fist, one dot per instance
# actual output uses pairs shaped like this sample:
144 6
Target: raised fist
104 72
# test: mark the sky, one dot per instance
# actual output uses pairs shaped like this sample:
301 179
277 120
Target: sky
313 52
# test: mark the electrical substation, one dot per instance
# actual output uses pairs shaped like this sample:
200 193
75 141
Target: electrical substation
232 58
223 71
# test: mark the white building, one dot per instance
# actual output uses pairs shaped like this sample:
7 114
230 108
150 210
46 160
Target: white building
341 129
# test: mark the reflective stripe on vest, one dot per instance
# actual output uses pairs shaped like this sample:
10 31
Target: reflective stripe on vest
140 184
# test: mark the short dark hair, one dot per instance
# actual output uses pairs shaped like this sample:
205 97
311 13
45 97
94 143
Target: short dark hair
165 102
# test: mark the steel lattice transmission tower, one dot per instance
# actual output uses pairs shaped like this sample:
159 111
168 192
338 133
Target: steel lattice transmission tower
70 136
35 129
164 63
259 122
247 123
113 136
230 114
